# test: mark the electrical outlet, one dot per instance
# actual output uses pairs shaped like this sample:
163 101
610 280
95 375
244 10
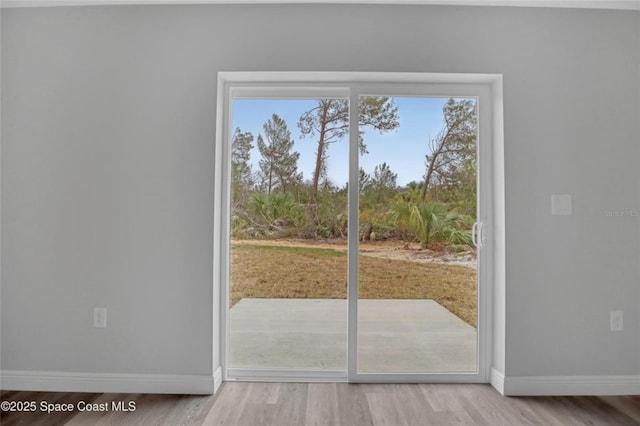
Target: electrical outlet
100 317
617 321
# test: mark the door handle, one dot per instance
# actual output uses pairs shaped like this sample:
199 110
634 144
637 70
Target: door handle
474 230
477 234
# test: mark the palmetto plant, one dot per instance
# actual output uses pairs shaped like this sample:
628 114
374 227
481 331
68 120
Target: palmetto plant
432 222
277 209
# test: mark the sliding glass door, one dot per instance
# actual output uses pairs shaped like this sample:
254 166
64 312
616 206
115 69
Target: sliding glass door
354 229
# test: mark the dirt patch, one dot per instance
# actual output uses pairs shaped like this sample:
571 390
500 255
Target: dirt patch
320 272
395 250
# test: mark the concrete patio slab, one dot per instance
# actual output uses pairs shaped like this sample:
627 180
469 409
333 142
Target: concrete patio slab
395 336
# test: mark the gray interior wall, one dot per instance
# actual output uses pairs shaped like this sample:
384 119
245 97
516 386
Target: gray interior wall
108 120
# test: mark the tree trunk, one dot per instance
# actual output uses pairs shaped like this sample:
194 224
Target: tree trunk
283 180
313 207
427 179
270 177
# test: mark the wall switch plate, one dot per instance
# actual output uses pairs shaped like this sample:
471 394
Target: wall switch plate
561 204
617 321
100 317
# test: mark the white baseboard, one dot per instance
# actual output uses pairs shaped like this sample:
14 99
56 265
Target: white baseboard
54 381
496 379
217 379
569 385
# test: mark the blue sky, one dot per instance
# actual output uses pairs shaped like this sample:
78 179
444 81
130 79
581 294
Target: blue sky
403 149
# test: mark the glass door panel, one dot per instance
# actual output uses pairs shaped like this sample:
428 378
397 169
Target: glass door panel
288 249
417 286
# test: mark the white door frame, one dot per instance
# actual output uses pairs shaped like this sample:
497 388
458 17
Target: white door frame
352 85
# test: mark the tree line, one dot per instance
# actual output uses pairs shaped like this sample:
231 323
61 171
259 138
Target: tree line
275 200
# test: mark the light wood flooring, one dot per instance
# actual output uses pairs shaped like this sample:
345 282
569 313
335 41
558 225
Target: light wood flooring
257 404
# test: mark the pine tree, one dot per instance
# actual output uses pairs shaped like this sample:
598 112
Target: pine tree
383 182
279 165
241 173
454 146
330 121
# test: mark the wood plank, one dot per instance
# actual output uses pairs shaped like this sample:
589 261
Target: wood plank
263 392
229 405
291 407
257 414
384 410
353 407
630 405
446 402
322 405
415 408
593 410
493 407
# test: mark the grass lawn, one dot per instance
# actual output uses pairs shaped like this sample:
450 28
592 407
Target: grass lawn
265 271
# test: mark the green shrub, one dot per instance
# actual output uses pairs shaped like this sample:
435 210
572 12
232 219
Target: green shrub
432 222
